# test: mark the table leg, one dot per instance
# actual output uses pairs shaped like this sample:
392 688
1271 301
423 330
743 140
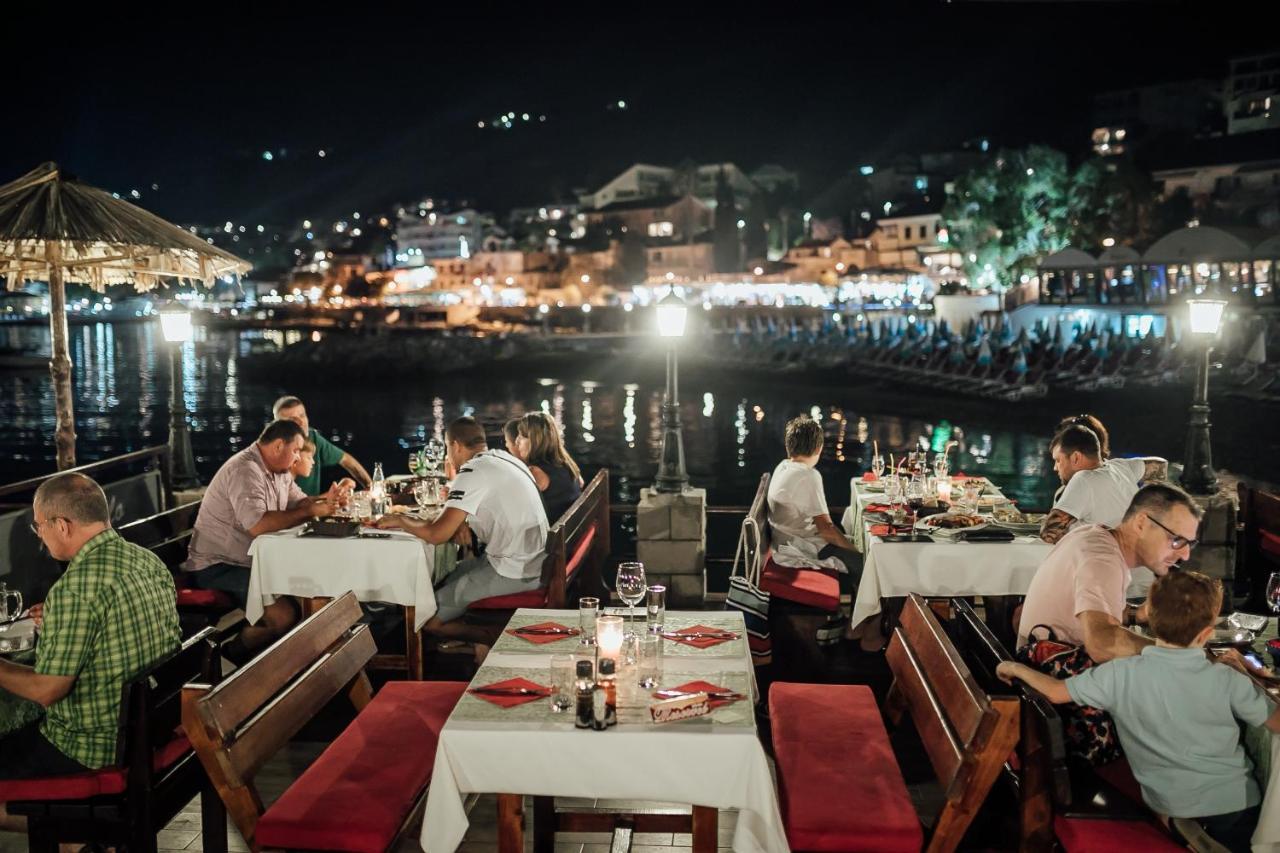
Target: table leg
544 824
705 829
510 823
412 644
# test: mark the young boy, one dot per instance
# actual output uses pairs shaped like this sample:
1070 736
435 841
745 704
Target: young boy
1176 712
306 460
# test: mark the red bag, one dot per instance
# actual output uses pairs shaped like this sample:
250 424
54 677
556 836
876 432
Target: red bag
1090 732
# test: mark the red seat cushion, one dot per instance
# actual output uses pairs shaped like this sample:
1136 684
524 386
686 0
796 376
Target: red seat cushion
1270 542
355 796
205 598
1120 775
839 785
537 597
803 586
1099 836
93 783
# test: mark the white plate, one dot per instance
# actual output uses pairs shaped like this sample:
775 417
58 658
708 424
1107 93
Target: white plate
18 636
924 524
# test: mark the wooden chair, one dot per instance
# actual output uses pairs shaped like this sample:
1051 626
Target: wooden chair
807 587
1259 543
838 782
357 795
155 775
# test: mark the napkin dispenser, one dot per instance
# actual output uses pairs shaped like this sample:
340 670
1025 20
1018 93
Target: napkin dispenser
680 708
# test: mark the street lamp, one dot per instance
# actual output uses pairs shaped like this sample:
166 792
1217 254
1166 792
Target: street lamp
672 477
1198 477
182 463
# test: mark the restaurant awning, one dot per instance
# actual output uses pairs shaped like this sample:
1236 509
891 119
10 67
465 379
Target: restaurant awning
1069 259
1201 244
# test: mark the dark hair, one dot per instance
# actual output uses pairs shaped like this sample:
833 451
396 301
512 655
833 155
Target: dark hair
1159 498
283 430
1092 422
803 436
286 402
511 430
467 432
1077 439
1182 605
74 497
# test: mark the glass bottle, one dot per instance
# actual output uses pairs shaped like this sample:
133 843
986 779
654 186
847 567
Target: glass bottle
609 681
583 688
378 492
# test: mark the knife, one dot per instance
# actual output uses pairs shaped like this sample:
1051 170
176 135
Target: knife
547 631
703 635
509 691
720 694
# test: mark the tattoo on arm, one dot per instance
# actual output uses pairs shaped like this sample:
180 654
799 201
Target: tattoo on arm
1055 525
1156 469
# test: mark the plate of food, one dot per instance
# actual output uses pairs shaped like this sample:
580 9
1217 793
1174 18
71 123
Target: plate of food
951 523
1016 520
17 636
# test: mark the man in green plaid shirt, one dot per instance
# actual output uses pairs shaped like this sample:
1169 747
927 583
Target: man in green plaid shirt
111 615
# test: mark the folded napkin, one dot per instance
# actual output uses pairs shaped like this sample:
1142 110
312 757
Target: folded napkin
869 477
515 698
701 642
700 687
876 508
881 529
544 632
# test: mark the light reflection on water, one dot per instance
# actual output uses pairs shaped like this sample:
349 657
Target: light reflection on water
733 426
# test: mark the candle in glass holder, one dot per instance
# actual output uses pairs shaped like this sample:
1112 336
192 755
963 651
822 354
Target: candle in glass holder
609 632
944 489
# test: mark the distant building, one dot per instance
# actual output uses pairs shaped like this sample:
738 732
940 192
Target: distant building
683 260
773 178
425 234
644 180
1252 93
1231 180
662 217
497 278
1124 119
914 239
825 261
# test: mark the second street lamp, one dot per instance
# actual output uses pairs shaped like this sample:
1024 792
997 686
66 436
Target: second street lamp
1198 476
672 477
182 463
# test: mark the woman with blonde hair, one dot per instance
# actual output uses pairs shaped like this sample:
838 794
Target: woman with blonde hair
554 471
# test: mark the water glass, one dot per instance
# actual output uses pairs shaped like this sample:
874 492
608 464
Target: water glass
361 505
1273 592
877 465
563 675
413 463
972 489
657 608
649 661
588 609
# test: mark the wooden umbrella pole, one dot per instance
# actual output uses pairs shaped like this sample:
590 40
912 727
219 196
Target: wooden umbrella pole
60 363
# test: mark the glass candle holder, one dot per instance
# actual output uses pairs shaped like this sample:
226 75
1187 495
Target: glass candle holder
609 632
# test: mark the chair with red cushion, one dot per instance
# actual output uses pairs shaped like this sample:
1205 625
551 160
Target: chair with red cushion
358 793
807 587
577 547
156 773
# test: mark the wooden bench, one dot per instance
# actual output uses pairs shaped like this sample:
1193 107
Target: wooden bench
358 794
155 775
1091 809
808 587
839 784
577 547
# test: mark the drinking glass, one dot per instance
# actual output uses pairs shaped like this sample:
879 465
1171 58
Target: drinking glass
656 608
413 463
892 489
649 661
425 494
631 587
435 453
361 505
588 609
563 675
877 465
972 489
940 466
1273 592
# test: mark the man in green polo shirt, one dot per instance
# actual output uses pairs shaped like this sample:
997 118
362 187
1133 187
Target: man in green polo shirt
327 453
112 614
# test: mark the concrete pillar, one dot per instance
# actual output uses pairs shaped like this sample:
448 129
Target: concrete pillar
671 541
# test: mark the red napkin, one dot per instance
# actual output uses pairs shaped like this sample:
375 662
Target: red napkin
543 638
699 642
881 530
869 477
514 684
698 687
876 508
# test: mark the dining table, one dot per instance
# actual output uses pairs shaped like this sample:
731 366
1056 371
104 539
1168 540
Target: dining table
939 564
708 763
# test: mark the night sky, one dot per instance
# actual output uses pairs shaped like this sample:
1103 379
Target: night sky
394 98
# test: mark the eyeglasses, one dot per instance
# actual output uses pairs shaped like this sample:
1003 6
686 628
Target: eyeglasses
1176 541
36 525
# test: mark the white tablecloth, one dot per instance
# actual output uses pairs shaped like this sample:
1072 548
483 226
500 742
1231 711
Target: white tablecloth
398 569
699 762
940 568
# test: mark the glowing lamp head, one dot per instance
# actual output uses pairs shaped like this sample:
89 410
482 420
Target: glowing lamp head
544 308
1205 315
672 314
176 326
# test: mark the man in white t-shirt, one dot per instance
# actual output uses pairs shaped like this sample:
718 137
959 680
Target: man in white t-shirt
494 496
1096 490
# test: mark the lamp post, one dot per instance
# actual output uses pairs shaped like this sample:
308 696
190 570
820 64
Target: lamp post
672 477
1198 477
182 462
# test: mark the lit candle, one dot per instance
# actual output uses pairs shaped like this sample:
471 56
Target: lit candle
609 631
944 489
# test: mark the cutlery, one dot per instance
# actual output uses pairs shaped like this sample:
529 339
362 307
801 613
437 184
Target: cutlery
702 635
509 691
547 631
718 694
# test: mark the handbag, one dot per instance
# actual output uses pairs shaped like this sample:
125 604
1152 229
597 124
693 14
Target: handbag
745 594
1090 732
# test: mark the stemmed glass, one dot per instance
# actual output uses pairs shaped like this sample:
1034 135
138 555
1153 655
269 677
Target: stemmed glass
877 465
413 463
631 588
435 454
1273 592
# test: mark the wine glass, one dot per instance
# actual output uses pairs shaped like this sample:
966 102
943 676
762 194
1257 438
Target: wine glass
413 463
877 465
1273 592
631 587
425 494
435 454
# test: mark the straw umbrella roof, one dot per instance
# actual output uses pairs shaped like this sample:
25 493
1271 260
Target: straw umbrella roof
101 239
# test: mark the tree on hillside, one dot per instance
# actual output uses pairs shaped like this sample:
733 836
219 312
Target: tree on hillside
1110 197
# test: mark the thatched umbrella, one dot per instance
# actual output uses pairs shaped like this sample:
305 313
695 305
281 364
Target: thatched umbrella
55 228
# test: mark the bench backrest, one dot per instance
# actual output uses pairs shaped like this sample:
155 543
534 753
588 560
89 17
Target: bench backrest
1040 774
161 526
966 733
578 543
237 725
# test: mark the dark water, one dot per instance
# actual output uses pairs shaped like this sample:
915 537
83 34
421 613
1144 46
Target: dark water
733 423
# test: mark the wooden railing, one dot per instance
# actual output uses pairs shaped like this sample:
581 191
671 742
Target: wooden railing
159 453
